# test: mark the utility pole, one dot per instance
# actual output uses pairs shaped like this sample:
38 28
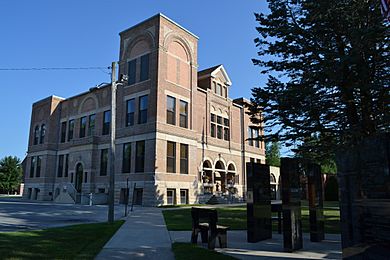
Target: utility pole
111 188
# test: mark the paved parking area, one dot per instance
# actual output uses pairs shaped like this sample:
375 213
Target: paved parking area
17 214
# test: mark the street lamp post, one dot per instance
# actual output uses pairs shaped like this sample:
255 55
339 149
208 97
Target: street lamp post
111 188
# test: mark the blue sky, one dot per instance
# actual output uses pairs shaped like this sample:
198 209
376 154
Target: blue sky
74 33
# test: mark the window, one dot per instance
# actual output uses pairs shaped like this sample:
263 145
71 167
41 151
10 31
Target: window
183 114
171 196
171 157
144 67
70 130
106 122
103 162
83 126
32 167
131 72
140 156
219 89
130 110
63 132
184 158
220 127
224 92
60 165
183 196
126 159
143 109
171 107
250 136
226 132
91 125
215 87
43 133
39 162
66 165
86 177
253 135
36 135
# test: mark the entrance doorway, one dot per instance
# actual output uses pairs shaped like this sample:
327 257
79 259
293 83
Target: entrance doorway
138 196
79 178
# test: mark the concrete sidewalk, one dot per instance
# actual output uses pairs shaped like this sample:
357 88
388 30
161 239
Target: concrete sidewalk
143 235
272 248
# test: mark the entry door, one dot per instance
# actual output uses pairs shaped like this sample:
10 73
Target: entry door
138 196
79 178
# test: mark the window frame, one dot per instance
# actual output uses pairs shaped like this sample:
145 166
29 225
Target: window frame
132 71
143 112
126 158
91 124
63 131
171 111
184 160
140 157
171 158
83 127
106 124
144 70
130 115
183 114
103 162
71 130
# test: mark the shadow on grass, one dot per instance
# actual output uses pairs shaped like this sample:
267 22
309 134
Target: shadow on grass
73 242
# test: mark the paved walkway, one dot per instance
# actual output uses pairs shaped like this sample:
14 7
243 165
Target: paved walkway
330 248
143 236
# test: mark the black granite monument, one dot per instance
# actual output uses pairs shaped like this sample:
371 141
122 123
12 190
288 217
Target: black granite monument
364 174
291 169
258 202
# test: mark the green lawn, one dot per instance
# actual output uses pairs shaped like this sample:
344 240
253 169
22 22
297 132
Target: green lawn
73 242
235 218
186 251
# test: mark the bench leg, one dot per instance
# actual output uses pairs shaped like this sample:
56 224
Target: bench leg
212 238
222 237
194 237
204 235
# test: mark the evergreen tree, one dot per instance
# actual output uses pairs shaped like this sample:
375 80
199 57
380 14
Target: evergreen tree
328 66
272 154
10 173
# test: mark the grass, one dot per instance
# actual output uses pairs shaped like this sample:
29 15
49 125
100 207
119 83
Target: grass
186 251
235 218
73 242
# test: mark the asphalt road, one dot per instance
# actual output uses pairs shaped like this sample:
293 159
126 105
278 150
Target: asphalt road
17 214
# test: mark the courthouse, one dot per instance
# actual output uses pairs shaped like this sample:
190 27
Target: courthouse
180 138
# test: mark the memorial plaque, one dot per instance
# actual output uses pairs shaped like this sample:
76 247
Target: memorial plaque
316 208
364 175
259 225
290 171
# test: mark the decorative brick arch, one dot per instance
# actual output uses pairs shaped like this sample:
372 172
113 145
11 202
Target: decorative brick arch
174 37
89 103
145 37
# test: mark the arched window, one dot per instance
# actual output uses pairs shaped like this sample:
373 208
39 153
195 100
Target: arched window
36 135
43 133
231 175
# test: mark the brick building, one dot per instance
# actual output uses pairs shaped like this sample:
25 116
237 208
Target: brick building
179 137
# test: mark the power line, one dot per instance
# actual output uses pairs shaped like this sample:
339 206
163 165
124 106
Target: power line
54 68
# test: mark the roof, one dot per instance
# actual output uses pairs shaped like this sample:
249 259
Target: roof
166 18
213 71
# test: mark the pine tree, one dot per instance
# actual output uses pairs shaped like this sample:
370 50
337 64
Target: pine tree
328 66
10 173
272 154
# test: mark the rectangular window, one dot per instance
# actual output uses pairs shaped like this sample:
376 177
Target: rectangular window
226 132
70 130
140 156
184 158
250 136
183 114
219 89
91 125
215 87
126 159
83 126
171 157
130 110
32 167
63 132
103 162
183 196
171 107
171 196
144 67
212 117
219 132
256 135
212 130
66 165
60 165
143 109
39 162
106 122
219 120
131 72
86 177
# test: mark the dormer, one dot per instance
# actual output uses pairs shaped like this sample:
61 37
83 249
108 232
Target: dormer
216 79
